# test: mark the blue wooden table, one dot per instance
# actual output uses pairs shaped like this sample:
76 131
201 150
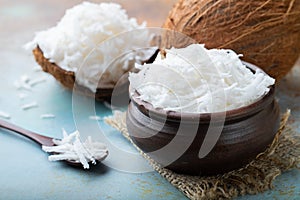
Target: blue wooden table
25 172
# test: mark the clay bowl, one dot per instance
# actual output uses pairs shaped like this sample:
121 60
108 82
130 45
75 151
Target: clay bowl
174 139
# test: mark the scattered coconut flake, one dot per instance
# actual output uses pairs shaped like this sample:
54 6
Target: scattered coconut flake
26 83
17 84
24 78
29 105
95 117
26 86
22 83
37 68
47 116
22 95
4 115
70 147
36 81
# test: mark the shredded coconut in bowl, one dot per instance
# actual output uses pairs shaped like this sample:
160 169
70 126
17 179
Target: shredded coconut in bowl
81 29
197 80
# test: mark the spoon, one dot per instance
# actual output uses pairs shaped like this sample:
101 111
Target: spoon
40 139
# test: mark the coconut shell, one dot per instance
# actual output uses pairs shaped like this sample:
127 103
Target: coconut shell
266 32
67 79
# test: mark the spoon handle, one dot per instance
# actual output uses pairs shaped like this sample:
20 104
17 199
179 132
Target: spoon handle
40 139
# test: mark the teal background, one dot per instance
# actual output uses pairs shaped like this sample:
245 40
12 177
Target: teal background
25 172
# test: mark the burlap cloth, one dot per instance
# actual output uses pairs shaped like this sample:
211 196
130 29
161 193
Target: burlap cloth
256 177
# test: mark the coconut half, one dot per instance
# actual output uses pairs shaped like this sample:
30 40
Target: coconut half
92 47
67 78
266 32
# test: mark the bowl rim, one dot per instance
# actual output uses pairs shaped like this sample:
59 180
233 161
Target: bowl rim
229 115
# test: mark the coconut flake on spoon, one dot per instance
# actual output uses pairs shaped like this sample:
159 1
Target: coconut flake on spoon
71 148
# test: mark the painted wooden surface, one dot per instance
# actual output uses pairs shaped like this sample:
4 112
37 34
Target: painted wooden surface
25 172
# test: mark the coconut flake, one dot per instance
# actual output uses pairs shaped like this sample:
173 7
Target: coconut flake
4 115
36 81
197 80
63 156
80 30
24 78
29 105
47 116
37 68
70 147
22 96
23 83
19 85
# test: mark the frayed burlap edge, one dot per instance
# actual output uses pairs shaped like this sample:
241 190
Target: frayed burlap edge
282 155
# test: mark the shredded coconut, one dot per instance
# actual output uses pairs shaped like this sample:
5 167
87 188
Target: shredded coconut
17 84
37 68
47 116
29 105
24 78
197 80
4 115
82 28
71 148
23 83
22 96
36 81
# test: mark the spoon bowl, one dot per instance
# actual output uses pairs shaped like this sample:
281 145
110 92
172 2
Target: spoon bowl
40 139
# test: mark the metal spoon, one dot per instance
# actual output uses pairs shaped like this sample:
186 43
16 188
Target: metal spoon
40 139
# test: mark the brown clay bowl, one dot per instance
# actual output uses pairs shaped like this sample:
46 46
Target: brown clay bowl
174 139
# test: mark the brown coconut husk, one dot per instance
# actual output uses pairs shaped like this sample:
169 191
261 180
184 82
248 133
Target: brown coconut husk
266 32
66 78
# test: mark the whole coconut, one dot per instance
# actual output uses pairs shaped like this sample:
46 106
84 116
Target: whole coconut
266 32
